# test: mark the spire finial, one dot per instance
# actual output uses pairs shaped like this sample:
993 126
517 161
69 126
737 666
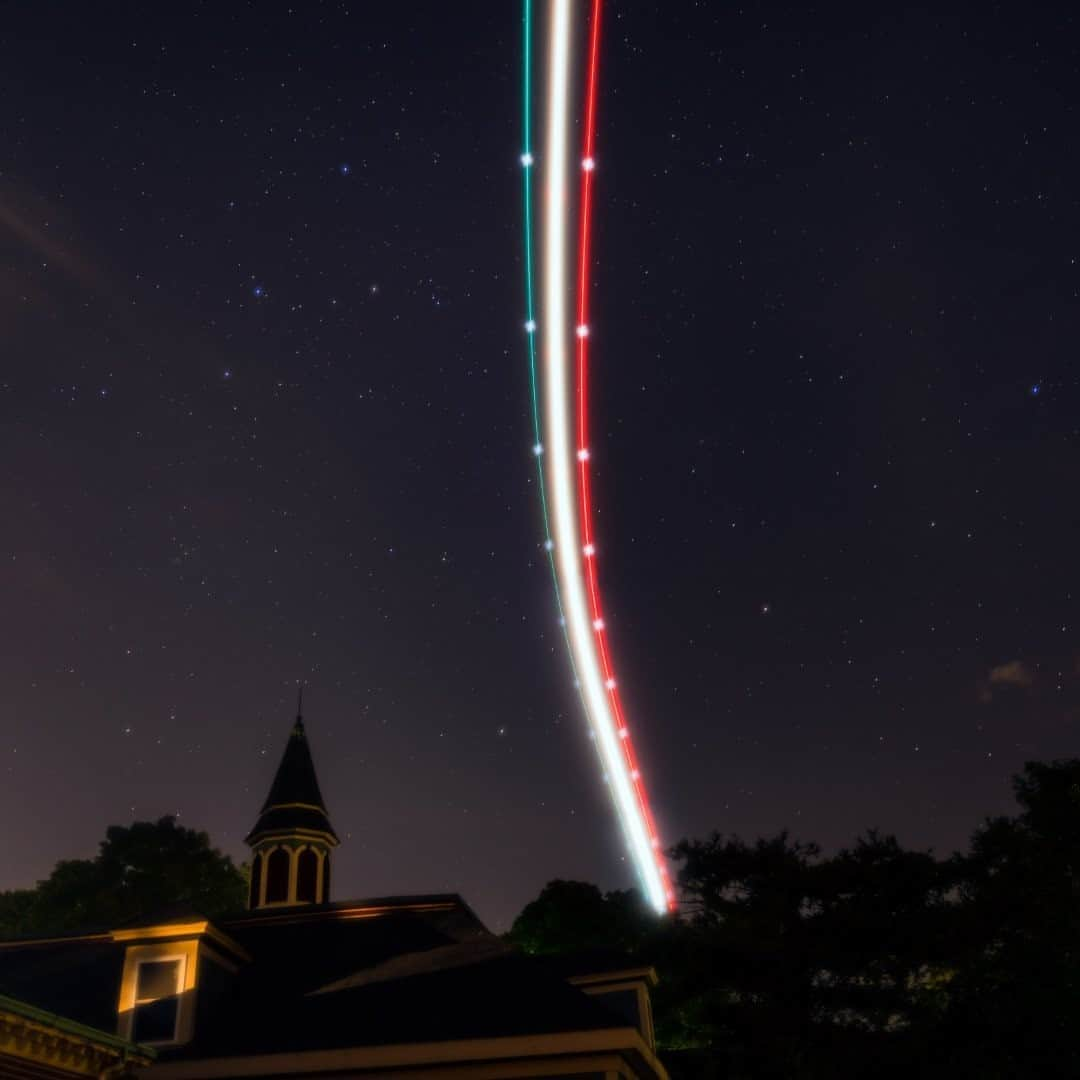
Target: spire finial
300 707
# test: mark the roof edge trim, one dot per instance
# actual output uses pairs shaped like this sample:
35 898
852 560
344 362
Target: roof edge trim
397 1055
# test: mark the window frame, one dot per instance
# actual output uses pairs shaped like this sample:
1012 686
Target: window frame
315 874
290 876
255 885
180 959
187 953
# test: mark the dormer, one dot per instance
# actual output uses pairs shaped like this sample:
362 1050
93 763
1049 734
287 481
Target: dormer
292 840
172 972
624 992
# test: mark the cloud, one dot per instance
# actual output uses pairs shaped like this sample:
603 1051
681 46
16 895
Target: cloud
30 226
1011 673
47 236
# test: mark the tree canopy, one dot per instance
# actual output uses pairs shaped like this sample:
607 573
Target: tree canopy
574 916
139 869
875 959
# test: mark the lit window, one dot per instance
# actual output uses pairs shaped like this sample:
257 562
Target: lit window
157 987
156 1008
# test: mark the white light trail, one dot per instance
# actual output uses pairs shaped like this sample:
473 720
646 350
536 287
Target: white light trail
560 458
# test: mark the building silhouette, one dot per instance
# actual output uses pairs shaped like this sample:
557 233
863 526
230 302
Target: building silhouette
302 985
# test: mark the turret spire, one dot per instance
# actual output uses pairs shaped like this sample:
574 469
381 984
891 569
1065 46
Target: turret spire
292 838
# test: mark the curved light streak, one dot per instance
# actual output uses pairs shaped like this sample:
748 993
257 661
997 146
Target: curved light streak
588 166
574 548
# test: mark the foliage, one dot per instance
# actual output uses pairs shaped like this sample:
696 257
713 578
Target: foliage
139 869
747 906
17 912
1016 994
574 916
885 935
875 960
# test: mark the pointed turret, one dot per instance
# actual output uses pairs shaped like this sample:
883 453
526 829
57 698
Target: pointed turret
292 839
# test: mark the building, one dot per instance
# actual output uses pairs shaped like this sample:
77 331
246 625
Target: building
301 985
39 1045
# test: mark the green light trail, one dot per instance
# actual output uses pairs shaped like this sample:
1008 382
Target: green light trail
530 304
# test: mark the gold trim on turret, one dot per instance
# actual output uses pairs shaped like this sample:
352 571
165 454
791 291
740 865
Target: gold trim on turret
280 835
294 806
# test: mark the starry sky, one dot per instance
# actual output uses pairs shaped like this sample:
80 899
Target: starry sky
264 419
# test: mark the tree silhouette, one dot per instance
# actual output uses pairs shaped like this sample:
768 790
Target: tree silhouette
141 868
876 960
1016 993
575 916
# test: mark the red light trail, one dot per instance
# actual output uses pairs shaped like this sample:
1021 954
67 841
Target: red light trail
584 454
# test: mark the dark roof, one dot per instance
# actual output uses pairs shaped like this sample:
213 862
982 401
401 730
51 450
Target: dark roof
595 962
76 978
295 801
491 997
385 970
296 950
292 950
357 973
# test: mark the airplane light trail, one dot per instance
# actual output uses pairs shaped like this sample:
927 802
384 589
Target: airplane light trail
570 542
588 166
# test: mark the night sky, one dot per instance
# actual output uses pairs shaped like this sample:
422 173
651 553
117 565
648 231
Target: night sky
264 419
